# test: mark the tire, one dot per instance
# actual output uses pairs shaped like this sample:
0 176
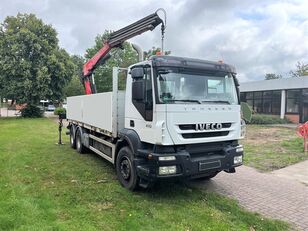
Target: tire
72 138
125 169
79 146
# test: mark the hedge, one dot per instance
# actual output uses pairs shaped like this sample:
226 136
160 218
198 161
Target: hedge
59 110
267 119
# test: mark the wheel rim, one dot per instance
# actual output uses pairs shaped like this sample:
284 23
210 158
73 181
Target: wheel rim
73 142
125 166
78 142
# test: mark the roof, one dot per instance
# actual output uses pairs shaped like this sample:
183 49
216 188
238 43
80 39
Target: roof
275 84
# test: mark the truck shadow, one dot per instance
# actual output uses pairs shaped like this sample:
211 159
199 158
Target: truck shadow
164 188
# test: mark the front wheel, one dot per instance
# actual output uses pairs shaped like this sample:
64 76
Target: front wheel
125 169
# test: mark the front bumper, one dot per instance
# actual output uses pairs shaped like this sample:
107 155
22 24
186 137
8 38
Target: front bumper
188 165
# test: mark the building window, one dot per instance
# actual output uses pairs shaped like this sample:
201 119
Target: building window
293 99
243 97
257 95
257 101
276 102
267 106
257 105
249 95
266 102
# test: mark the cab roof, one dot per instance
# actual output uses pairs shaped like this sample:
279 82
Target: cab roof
174 61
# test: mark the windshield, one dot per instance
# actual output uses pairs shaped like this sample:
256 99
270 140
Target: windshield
176 86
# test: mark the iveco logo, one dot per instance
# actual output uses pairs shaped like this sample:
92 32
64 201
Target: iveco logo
213 126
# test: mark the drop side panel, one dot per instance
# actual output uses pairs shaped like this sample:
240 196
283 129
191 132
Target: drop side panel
94 110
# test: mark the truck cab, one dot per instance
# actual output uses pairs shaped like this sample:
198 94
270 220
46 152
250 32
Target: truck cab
182 119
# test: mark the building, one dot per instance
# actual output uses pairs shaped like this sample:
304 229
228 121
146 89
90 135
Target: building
286 97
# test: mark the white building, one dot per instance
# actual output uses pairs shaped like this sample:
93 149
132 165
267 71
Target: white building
286 97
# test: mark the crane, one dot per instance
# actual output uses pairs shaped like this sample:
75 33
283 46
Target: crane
116 39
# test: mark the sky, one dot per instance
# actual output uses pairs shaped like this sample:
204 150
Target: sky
257 37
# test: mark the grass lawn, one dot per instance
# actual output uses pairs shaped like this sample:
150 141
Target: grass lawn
49 187
269 148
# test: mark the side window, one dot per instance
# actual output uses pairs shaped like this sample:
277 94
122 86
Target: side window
145 106
148 86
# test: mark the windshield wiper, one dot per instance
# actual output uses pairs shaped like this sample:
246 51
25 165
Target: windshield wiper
215 101
185 100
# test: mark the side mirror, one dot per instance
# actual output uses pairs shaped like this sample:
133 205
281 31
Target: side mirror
137 72
138 90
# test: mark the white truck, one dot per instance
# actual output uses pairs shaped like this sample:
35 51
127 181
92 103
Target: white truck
178 118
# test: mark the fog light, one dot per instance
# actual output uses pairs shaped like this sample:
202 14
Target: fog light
238 159
166 170
166 158
240 149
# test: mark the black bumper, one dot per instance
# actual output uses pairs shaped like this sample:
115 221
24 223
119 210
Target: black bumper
187 165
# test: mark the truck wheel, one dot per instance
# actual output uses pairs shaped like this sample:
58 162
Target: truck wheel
79 146
126 171
72 138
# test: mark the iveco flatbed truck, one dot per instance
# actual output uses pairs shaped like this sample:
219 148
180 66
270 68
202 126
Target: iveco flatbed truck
177 118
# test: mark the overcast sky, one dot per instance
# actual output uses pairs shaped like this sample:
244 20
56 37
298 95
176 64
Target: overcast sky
257 37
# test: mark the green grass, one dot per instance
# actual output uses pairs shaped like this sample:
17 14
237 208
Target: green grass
49 187
269 148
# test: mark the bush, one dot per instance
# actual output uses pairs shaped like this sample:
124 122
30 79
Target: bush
31 111
267 119
59 110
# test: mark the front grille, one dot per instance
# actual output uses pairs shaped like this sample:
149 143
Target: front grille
193 126
204 134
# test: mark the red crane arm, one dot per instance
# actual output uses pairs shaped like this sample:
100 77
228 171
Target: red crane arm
90 65
115 40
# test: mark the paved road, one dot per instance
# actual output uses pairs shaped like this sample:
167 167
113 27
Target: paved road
265 193
298 172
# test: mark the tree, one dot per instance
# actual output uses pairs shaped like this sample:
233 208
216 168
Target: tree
301 70
119 57
269 76
74 87
32 66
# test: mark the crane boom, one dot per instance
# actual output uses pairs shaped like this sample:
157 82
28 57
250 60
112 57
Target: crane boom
115 40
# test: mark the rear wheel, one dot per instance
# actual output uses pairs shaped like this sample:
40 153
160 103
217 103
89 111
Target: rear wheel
72 138
79 146
126 171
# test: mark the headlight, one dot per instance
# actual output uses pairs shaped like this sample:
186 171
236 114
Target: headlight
166 170
240 148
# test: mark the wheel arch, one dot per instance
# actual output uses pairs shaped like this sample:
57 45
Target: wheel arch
128 138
